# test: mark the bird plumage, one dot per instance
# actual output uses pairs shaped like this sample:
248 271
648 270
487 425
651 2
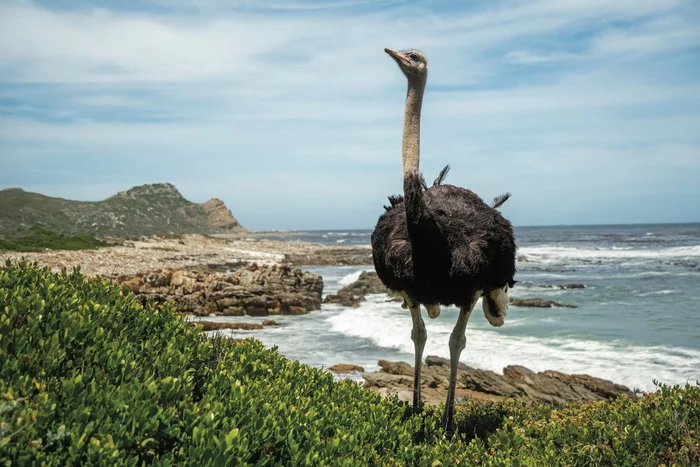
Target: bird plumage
440 244
453 245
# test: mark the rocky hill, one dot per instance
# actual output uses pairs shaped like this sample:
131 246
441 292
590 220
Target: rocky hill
142 210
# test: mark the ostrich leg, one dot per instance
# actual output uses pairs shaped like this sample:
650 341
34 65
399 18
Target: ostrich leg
458 341
418 336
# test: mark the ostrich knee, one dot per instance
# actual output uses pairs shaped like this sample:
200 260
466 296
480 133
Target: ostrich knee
457 344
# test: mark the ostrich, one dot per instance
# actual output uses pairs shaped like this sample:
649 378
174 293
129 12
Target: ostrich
440 245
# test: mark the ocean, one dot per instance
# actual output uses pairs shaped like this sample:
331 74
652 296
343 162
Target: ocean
637 318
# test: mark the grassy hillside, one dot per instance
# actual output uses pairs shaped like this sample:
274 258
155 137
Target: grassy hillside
37 239
89 376
143 210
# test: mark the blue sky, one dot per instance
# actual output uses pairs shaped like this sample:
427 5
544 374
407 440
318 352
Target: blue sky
587 111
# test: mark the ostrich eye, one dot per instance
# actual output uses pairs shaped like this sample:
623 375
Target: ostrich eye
413 56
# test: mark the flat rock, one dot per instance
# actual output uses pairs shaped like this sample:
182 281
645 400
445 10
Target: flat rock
538 303
328 255
396 379
346 368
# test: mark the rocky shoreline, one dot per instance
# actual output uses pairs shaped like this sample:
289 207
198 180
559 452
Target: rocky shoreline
246 276
251 290
194 252
396 379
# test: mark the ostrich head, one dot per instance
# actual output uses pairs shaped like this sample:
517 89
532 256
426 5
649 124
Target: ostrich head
412 62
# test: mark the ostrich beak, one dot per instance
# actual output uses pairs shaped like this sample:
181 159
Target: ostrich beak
399 57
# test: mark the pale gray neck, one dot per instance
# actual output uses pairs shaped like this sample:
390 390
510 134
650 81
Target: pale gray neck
411 125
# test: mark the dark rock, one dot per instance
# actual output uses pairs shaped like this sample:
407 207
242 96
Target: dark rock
211 326
270 322
538 303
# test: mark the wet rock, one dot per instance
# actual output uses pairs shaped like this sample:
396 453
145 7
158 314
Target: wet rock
270 322
396 379
252 290
538 303
346 368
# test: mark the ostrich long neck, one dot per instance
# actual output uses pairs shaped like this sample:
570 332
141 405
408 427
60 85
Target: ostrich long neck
411 126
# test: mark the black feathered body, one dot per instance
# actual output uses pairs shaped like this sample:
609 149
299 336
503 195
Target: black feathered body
443 244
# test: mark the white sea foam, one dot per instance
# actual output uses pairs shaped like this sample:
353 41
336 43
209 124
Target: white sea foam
387 326
547 253
657 292
352 277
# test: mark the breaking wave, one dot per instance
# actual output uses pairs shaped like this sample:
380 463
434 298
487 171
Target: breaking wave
380 323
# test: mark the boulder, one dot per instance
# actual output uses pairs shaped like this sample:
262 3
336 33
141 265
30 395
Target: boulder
346 368
396 368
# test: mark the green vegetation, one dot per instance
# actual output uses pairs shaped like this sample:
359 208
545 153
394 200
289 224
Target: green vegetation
144 210
89 376
38 239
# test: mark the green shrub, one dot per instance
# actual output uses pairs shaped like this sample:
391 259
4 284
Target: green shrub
89 376
38 239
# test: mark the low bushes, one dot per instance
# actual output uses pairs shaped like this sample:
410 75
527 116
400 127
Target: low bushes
89 376
38 239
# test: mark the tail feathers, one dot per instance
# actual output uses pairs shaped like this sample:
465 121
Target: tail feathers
499 200
393 201
441 176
